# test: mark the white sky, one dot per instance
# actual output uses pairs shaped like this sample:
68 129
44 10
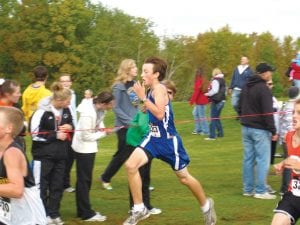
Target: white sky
190 17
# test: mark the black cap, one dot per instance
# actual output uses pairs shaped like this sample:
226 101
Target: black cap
263 67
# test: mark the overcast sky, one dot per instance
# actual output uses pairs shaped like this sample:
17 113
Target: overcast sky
190 17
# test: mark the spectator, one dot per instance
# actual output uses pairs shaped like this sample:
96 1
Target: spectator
295 70
216 94
126 107
86 101
199 100
66 82
256 99
239 78
35 92
50 128
10 93
85 147
276 107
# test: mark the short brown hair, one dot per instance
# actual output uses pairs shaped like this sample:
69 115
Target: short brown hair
103 97
159 65
40 73
14 117
8 87
170 85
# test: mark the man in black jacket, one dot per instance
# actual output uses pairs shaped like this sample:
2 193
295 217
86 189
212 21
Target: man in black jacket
256 116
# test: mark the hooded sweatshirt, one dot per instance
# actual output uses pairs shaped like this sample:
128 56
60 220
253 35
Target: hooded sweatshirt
256 105
44 126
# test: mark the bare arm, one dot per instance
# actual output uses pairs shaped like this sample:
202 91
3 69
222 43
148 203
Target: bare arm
160 98
16 169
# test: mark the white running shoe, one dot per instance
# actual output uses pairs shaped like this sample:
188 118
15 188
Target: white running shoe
97 217
210 217
155 211
137 216
70 189
265 195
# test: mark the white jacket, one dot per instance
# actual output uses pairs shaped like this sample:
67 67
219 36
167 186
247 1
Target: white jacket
87 130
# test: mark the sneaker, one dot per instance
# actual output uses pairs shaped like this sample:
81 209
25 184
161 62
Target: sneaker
135 217
96 217
270 189
210 217
105 185
57 221
155 211
70 189
151 188
246 194
49 221
265 195
209 139
194 132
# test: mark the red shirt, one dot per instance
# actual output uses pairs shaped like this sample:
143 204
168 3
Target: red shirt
292 151
296 71
198 96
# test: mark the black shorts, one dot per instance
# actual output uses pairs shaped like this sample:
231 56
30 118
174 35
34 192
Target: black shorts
290 206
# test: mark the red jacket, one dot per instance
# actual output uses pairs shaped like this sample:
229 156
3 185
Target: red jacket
296 71
198 97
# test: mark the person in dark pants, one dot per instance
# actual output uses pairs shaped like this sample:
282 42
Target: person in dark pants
85 147
50 126
126 106
66 81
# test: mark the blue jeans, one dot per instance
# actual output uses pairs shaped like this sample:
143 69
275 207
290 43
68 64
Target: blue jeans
257 145
199 113
235 97
215 123
296 83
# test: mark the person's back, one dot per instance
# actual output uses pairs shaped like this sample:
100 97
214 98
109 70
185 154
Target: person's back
256 99
35 92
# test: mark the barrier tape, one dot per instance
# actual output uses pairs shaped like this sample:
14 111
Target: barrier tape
116 128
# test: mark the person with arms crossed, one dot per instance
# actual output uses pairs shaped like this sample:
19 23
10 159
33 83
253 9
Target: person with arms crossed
239 78
162 142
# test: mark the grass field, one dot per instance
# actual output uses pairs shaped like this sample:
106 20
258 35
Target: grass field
217 164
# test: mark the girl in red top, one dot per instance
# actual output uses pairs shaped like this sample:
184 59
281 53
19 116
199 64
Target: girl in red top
288 209
10 92
199 100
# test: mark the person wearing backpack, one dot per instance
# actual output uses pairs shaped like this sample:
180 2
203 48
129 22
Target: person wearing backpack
217 95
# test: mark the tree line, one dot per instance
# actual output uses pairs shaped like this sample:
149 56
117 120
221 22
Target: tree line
89 41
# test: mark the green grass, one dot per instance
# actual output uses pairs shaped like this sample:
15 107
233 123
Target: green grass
217 164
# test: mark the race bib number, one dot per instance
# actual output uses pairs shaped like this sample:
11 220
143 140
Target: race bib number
5 208
296 187
154 130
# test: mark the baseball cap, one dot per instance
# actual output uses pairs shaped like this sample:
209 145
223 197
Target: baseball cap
264 67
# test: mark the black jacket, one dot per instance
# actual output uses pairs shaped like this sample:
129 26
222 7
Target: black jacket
43 127
256 105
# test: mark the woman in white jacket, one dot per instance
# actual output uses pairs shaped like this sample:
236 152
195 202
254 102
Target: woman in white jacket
87 133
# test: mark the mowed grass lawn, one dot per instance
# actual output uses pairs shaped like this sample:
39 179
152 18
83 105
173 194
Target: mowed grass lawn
217 164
